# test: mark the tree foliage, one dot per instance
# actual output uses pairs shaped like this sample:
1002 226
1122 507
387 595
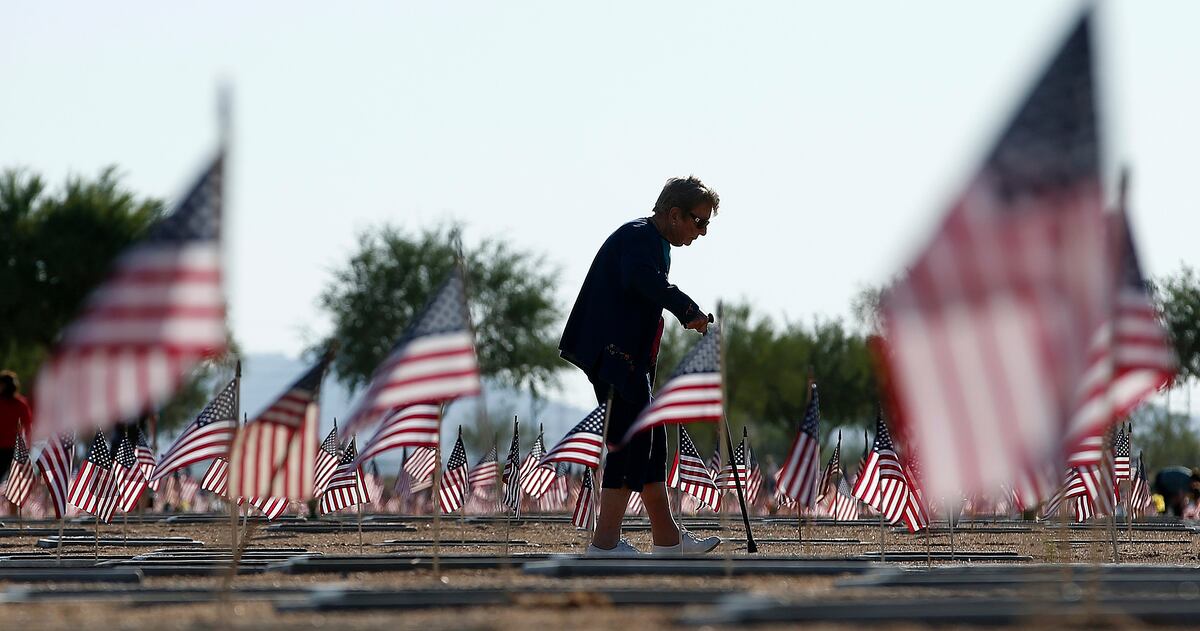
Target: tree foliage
55 247
1179 300
1164 438
375 295
767 368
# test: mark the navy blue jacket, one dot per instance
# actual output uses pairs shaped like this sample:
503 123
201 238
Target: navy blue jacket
613 327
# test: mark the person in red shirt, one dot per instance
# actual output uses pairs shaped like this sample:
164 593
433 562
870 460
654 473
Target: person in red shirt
14 412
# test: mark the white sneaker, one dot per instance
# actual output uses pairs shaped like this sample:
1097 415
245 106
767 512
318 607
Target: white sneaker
688 544
622 549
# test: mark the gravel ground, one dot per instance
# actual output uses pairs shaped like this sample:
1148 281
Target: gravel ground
578 610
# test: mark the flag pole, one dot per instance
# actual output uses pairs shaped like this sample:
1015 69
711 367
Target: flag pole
799 508
751 547
237 411
598 492
950 520
882 536
360 541
435 495
509 516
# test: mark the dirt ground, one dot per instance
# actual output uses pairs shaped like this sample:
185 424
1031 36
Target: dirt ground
577 612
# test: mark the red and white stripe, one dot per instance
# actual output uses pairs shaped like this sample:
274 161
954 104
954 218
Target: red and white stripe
411 426
845 505
881 485
131 483
94 491
915 517
271 507
160 312
798 477
419 466
146 464
691 476
691 398
54 464
453 491
584 515
20 474
432 368
635 506
216 478
275 453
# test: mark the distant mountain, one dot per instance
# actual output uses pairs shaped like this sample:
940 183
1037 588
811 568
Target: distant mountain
266 375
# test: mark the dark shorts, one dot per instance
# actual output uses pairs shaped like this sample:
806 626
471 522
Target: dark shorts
644 459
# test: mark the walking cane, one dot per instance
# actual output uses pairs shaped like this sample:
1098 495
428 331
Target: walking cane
751 546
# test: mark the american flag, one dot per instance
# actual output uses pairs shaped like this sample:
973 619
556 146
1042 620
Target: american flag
327 460
635 505
412 426
584 516
1121 456
737 464
714 463
989 328
54 464
20 475
1052 504
374 485
512 473
583 444
798 477
881 482
454 483
560 491
419 466
754 479
915 517
483 475
688 474
208 436
1139 496
94 489
272 507
346 487
216 479
834 466
131 482
188 488
145 459
1131 354
434 361
169 496
845 505
536 478
160 311
692 394
274 454
1083 507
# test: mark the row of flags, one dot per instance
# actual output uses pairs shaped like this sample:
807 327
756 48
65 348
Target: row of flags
1013 344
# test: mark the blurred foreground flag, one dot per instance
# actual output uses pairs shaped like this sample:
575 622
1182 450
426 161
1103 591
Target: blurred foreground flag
159 312
989 329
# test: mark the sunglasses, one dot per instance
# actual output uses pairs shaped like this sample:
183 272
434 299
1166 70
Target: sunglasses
700 223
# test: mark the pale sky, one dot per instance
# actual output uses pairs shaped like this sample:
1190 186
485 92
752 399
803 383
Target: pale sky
835 132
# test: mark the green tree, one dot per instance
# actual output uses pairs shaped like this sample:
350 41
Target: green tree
55 247
1178 297
1164 439
767 368
374 296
